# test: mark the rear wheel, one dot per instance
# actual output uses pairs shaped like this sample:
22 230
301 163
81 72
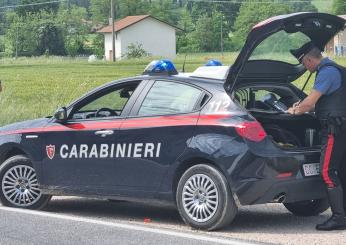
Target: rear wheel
308 208
19 185
204 198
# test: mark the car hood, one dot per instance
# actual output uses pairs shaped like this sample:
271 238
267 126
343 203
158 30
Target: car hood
318 27
25 126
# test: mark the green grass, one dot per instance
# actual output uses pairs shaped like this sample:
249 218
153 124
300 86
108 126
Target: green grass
36 87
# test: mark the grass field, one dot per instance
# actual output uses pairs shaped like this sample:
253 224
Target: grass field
36 87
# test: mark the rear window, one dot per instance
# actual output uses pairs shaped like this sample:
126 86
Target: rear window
170 98
277 47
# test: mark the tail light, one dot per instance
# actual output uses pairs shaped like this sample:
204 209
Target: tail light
252 131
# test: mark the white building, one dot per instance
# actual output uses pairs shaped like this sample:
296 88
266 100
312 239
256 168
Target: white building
156 37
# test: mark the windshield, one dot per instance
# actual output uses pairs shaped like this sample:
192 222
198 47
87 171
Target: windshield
277 47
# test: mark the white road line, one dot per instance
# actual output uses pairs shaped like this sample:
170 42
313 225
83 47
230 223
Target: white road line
128 226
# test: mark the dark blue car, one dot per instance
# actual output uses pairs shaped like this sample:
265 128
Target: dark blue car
206 142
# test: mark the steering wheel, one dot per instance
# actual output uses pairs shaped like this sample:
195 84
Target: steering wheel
110 111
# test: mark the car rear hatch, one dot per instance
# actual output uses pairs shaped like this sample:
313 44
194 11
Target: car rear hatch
277 36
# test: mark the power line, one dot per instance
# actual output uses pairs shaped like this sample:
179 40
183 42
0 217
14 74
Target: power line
31 4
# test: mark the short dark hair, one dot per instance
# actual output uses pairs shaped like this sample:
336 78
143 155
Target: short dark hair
315 53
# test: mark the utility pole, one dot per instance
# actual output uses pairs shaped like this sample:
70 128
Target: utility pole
221 36
69 6
113 31
17 33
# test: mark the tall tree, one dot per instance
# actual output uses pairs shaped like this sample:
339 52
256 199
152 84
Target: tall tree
206 36
72 20
229 8
296 6
35 6
165 10
131 7
252 12
100 10
339 7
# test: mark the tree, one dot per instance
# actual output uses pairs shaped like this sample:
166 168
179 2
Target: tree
165 10
74 26
19 38
188 26
97 45
49 34
252 12
229 8
34 34
100 10
24 10
206 37
296 6
131 7
339 7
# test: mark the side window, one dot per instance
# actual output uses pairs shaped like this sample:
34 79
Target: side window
107 104
169 98
277 46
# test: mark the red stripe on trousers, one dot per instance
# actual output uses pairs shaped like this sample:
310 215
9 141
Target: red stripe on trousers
326 162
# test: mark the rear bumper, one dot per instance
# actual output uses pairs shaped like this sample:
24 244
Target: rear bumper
276 176
294 191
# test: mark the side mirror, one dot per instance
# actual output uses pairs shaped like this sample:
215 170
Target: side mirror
61 114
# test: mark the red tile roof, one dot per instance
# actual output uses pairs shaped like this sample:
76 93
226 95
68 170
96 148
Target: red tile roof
126 22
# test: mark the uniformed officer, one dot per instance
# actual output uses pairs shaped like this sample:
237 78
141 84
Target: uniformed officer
328 99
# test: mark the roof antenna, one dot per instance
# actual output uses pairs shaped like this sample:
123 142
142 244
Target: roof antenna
184 63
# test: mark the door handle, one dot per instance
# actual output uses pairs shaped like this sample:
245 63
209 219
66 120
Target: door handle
104 133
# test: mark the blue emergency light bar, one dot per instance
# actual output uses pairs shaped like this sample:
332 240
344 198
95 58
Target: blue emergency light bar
213 63
159 67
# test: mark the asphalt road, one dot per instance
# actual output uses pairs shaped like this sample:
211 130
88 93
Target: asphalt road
88 221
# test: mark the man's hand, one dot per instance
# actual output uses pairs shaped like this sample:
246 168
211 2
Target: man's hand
307 105
291 110
296 104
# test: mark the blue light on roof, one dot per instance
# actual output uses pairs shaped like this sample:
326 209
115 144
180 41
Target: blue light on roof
213 63
160 67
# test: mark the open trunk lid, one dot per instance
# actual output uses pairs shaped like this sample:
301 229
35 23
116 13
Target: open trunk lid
317 27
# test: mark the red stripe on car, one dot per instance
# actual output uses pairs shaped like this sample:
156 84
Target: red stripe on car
161 121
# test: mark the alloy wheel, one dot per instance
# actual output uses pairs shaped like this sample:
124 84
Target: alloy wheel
200 198
20 186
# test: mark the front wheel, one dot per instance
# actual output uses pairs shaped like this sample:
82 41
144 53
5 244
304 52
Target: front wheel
19 185
308 208
204 198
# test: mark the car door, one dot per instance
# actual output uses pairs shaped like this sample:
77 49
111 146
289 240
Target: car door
80 153
159 128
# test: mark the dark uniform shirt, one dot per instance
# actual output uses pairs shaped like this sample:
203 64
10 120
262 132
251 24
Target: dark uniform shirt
328 78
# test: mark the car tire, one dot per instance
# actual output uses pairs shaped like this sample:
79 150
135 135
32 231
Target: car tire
204 199
19 186
308 208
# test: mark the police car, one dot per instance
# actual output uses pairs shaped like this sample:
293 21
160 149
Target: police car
207 141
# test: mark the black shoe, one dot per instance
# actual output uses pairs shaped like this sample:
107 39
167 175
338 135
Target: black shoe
334 223
338 220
